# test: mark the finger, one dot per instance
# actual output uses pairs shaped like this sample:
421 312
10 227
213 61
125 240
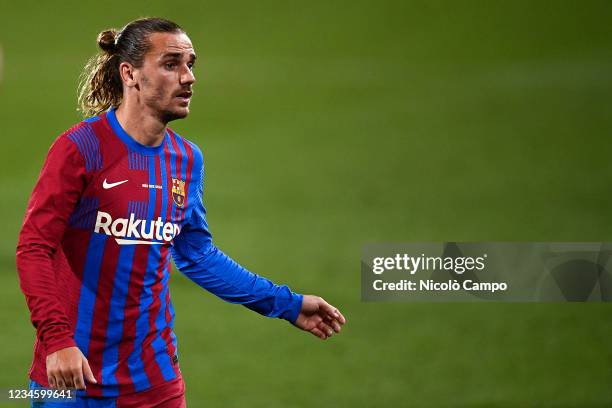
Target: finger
325 328
68 376
68 381
340 318
88 373
318 333
334 324
327 308
52 382
61 384
332 312
78 381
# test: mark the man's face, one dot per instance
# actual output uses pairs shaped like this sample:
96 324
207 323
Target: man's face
166 78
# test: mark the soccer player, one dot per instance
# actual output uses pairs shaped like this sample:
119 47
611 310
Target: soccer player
119 195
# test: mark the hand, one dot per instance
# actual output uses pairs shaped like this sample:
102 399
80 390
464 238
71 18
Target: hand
319 317
65 369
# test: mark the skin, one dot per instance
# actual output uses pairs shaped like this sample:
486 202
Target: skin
150 101
150 92
319 317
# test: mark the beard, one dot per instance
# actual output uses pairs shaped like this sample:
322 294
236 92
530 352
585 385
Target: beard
168 115
154 101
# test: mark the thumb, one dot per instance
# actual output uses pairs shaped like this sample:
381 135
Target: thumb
88 373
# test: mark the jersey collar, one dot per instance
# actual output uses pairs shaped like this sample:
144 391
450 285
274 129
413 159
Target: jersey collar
129 141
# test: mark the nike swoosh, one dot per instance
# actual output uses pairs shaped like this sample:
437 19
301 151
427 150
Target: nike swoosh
111 185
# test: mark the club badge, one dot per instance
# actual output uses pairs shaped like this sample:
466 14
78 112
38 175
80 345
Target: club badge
178 192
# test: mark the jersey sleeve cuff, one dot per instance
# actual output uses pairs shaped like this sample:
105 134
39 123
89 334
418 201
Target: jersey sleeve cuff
55 345
294 308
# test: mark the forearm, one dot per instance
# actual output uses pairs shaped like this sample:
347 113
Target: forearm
38 284
225 278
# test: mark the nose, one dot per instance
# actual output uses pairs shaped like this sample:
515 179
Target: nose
187 77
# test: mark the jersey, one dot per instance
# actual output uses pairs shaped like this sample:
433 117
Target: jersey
104 220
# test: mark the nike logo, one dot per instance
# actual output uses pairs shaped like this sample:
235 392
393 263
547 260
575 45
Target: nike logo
111 185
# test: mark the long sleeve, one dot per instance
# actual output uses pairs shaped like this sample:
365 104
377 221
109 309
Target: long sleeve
196 256
59 186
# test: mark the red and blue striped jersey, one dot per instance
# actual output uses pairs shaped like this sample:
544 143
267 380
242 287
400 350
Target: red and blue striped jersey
105 219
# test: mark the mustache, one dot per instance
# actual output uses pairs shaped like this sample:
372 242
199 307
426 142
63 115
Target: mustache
186 93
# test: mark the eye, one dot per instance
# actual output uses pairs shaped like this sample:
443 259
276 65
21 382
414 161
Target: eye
170 65
190 65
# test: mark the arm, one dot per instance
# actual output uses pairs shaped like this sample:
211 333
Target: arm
58 189
216 272
196 256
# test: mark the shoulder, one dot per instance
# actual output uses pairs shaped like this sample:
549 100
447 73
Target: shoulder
81 131
78 145
80 142
188 148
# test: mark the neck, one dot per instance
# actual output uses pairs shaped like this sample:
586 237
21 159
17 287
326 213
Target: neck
144 127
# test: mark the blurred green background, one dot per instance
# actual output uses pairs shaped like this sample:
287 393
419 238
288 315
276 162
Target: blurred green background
329 124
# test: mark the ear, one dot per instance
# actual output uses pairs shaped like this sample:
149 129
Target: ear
129 74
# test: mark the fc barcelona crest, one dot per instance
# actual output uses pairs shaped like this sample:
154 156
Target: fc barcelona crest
178 192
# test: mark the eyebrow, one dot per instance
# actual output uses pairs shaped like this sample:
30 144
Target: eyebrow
178 55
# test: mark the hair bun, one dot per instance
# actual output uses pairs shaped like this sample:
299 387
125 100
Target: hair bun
106 40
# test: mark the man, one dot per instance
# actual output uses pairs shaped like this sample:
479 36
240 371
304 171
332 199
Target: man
118 196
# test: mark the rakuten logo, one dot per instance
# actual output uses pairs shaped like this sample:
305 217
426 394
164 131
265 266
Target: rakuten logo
124 230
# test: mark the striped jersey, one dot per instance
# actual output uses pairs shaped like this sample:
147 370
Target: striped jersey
105 219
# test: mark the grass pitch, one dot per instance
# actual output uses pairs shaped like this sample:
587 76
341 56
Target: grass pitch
329 124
